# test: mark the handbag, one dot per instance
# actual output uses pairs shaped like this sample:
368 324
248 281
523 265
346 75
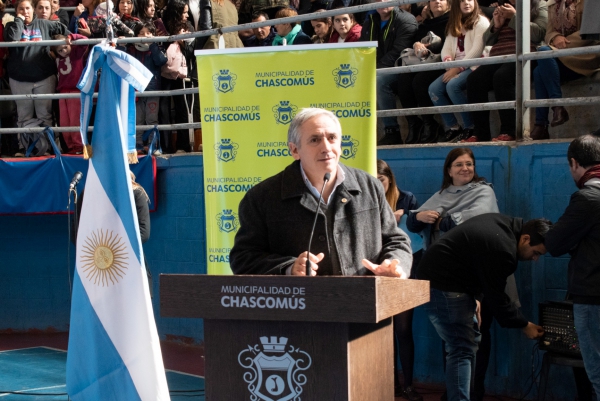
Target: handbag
408 56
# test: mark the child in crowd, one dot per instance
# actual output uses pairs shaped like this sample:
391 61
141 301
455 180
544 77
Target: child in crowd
464 40
31 69
346 29
70 64
152 56
126 11
97 23
323 28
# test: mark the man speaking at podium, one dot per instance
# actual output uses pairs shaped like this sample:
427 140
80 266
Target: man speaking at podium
355 231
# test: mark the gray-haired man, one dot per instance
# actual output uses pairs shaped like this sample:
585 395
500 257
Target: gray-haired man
356 231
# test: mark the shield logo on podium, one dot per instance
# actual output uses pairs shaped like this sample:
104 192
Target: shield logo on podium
274 374
274 377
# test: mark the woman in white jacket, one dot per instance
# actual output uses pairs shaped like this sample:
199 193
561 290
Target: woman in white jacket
464 40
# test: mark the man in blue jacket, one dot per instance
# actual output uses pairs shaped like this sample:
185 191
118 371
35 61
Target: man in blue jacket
578 233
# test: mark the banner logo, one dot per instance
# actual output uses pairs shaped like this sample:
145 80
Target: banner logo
274 374
227 221
224 81
284 112
226 150
345 76
349 147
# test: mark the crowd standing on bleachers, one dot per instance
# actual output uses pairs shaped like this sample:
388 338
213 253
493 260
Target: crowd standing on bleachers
431 31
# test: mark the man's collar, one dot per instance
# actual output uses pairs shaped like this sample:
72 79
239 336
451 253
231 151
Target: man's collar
339 178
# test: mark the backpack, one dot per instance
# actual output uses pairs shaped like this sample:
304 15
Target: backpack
176 65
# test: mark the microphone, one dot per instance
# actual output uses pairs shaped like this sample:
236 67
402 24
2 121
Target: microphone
312 231
76 177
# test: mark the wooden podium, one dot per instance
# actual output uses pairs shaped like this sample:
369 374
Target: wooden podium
280 338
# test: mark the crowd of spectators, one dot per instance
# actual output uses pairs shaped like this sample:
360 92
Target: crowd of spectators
432 31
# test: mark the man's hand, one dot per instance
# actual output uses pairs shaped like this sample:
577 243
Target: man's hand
386 268
478 313
299 267
428 216
533 331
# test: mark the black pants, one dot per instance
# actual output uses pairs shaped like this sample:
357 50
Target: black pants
413 88
501 78
180 117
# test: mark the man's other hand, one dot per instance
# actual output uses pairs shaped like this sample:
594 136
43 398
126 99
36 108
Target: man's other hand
299 267
533 331
386 268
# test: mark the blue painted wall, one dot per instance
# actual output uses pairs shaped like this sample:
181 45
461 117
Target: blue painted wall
531 180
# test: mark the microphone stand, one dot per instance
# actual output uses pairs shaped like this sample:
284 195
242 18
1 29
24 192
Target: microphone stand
312 231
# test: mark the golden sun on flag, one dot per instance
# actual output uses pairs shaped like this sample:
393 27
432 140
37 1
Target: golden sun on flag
104 256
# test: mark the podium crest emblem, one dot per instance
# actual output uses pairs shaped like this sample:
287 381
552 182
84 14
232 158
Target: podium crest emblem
345 76
226 150
349 147
274 374
227 221
284 112
224 81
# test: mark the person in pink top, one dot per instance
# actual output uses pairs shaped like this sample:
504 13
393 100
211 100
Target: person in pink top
70 61
345 29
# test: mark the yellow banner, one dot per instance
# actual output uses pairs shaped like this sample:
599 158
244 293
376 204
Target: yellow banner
248 98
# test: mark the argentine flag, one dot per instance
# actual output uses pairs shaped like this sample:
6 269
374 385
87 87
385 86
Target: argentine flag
114 350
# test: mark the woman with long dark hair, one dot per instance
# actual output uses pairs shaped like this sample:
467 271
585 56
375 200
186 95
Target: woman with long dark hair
175 18
401 202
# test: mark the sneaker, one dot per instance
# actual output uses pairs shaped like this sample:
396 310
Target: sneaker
20 153
503 138
411 394
472 138
465 133
157 152
450 135
180 151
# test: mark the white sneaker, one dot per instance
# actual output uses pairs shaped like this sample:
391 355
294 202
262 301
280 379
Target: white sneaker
180 151
157 152
20 153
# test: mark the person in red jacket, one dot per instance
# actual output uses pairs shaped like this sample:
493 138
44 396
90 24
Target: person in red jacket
70 64
345 29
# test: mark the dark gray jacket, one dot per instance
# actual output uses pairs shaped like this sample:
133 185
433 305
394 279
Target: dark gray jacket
276 217
577 232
